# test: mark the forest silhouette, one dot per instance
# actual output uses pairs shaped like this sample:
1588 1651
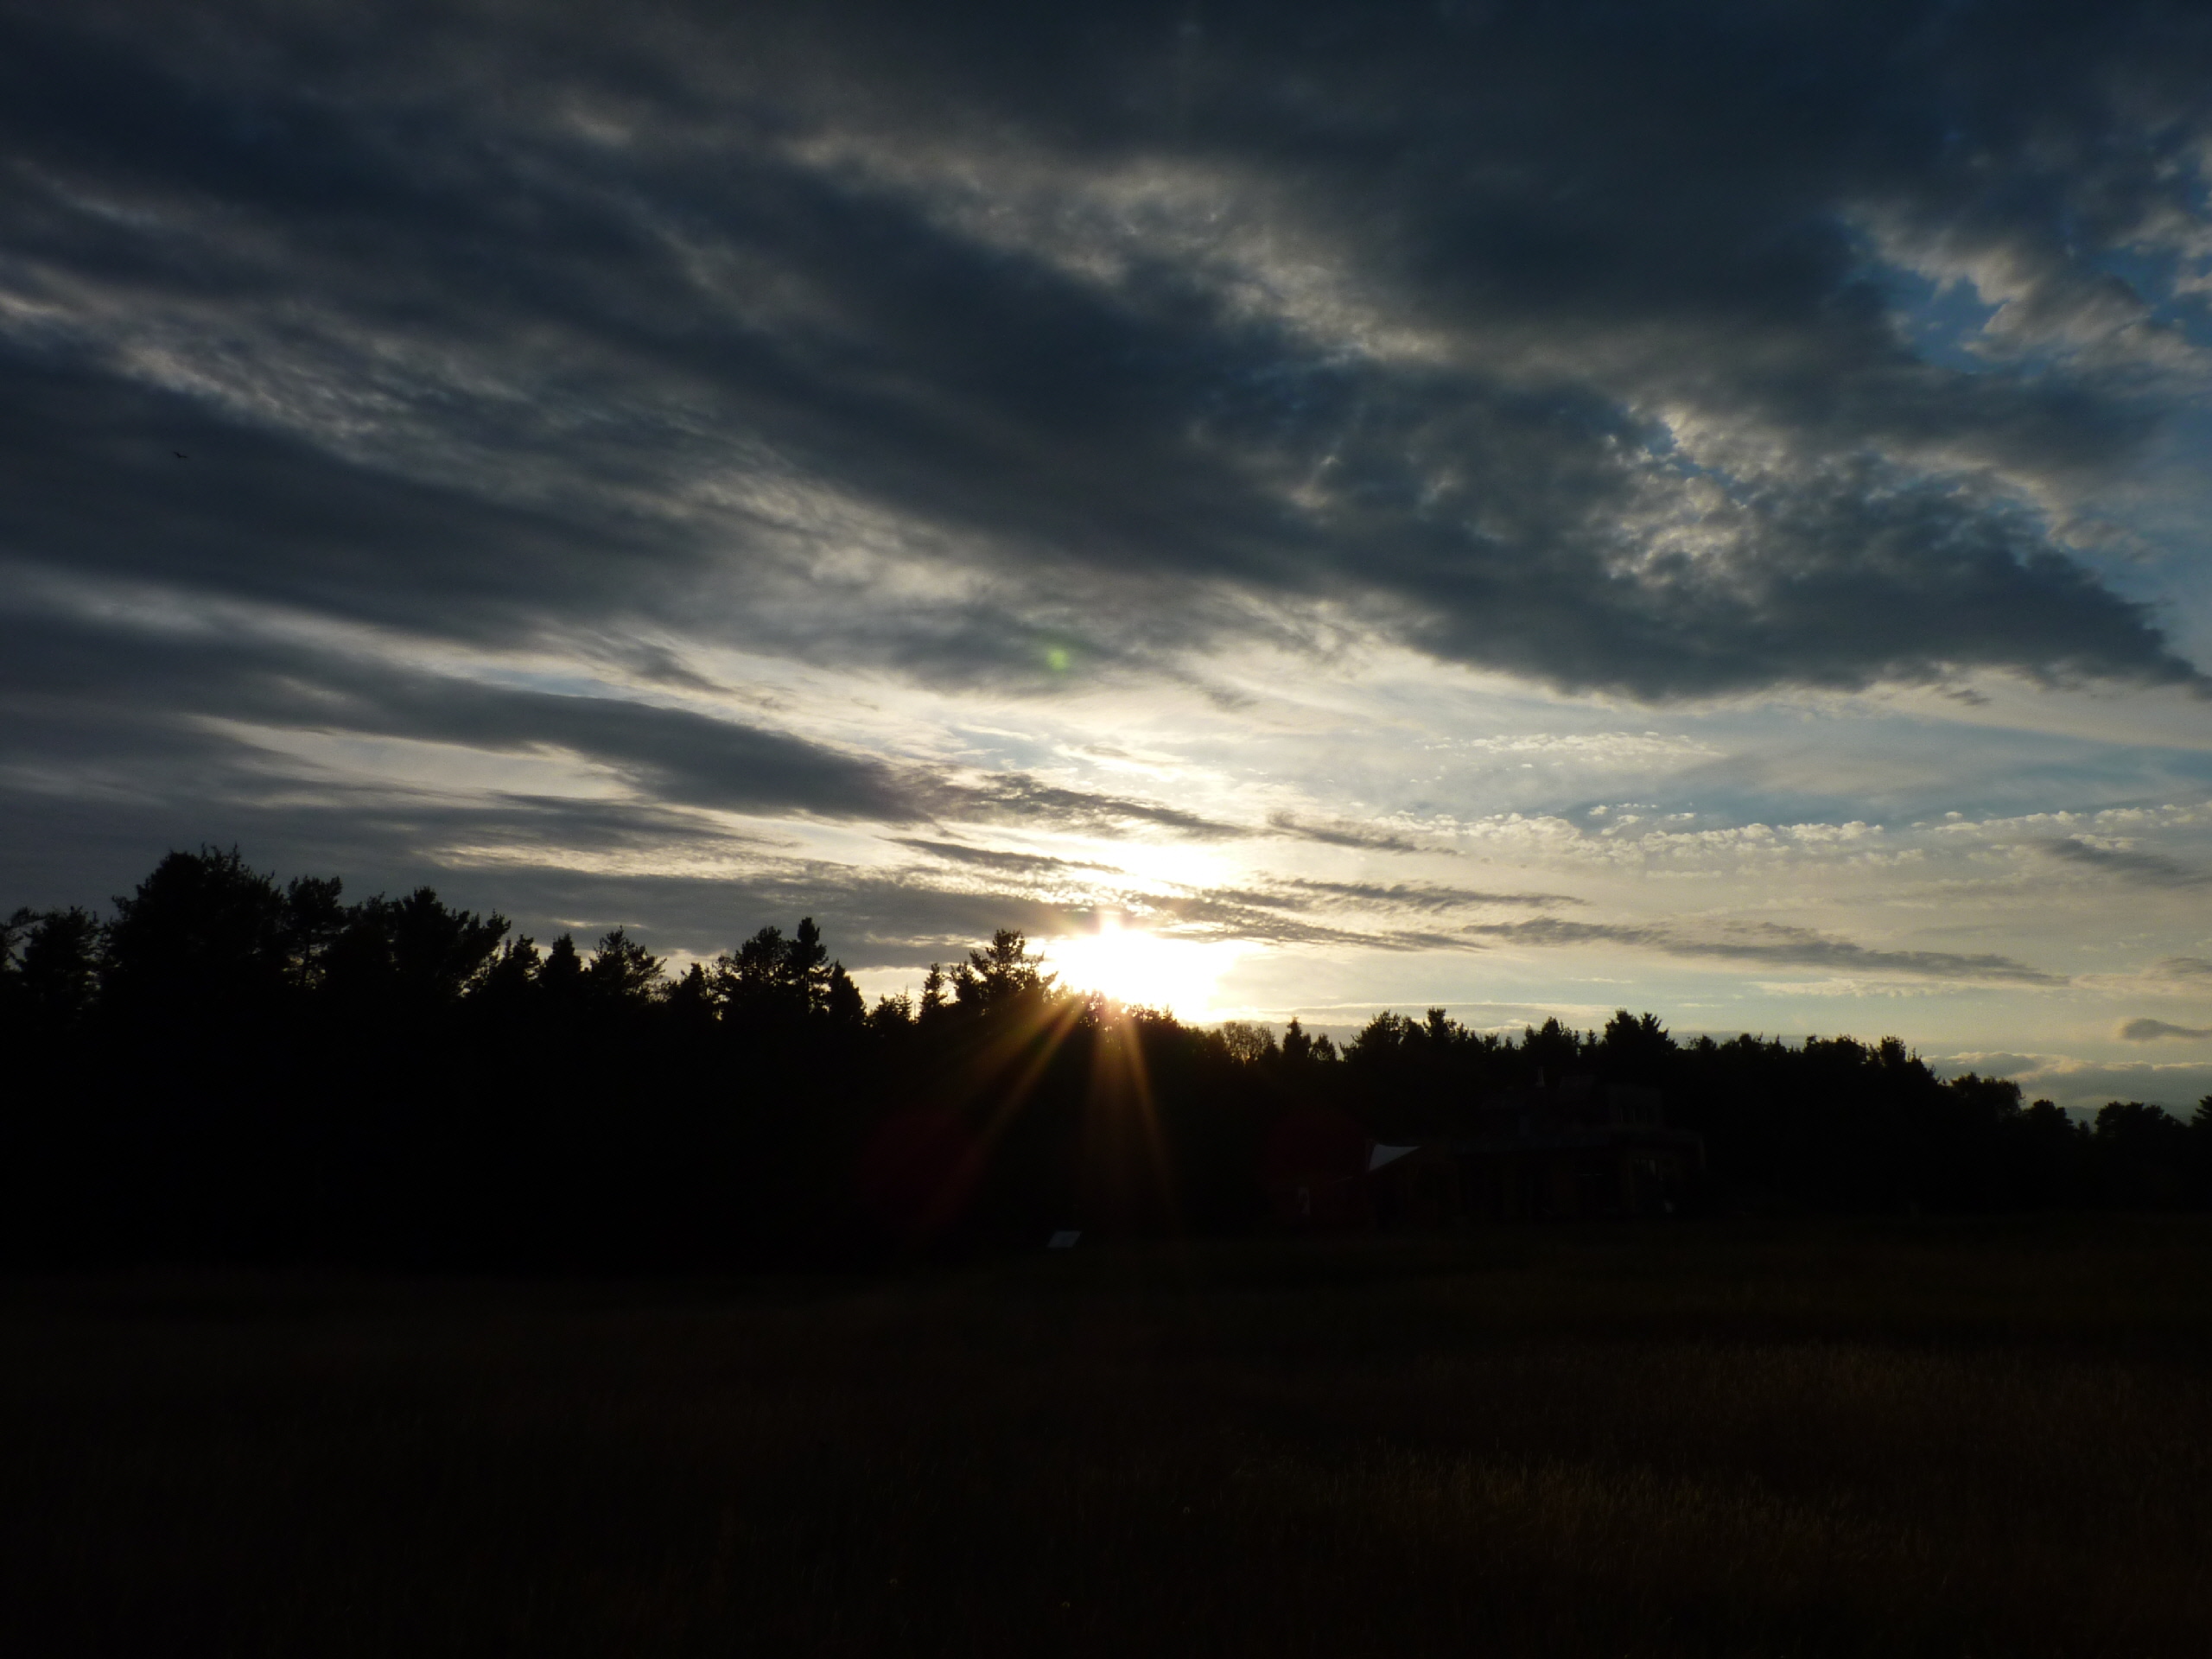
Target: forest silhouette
225 1067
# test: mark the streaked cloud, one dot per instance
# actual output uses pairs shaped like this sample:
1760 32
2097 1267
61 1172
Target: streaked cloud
1768 942
786 333
1404 895
2151 1031
1478 506
2152 869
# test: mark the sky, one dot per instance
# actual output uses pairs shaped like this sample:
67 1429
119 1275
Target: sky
1303 510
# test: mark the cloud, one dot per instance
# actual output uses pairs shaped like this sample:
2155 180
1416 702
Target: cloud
1015 797
1769 943
871 921
81 687
544 372
1537 350
887 920
1343 833
1229 914
670 754
1300 893
2147 870
1008 863
675 755
2081 1086
2151 1031
1281 912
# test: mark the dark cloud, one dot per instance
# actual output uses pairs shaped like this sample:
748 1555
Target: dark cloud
662 666
489 851
1409 895
1280 914
676 754
2150 1030
1768 942
1036 350
549 864
988 858
559 862
78 688
1014 798
1343 833
905 919
1277 915
1255 918
1416 898
2149 869
1575 358
672 755
870 922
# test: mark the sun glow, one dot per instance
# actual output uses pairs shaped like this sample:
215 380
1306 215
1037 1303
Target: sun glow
1133 966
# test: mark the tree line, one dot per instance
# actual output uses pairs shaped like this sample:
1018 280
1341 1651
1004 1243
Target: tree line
227 1066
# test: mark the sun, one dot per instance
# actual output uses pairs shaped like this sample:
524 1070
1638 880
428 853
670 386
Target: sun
1134 966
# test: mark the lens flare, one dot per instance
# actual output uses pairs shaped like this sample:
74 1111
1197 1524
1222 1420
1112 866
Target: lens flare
1134 966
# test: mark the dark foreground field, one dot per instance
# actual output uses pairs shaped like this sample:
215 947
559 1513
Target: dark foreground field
1984 1439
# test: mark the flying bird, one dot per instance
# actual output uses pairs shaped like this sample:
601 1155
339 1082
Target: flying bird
179 454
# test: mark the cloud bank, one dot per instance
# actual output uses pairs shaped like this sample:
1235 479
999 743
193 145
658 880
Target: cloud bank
2150 1030
449 438
1573 352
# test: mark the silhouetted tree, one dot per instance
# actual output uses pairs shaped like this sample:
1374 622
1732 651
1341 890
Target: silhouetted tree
1301 1049
315 918
58 976
622 973
413 951
561 975
14 930
2141 1154
231 1065
204 943
773 979
1248 1044
1635 1049
1002 973
509 977
842 1001
691 1001
1550 1051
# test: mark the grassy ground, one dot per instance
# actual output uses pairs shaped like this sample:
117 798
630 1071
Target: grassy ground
1925 1438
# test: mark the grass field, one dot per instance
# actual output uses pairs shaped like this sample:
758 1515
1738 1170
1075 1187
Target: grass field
1727 1438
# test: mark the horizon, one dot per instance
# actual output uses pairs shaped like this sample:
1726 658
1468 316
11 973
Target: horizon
1301 514
1119 985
